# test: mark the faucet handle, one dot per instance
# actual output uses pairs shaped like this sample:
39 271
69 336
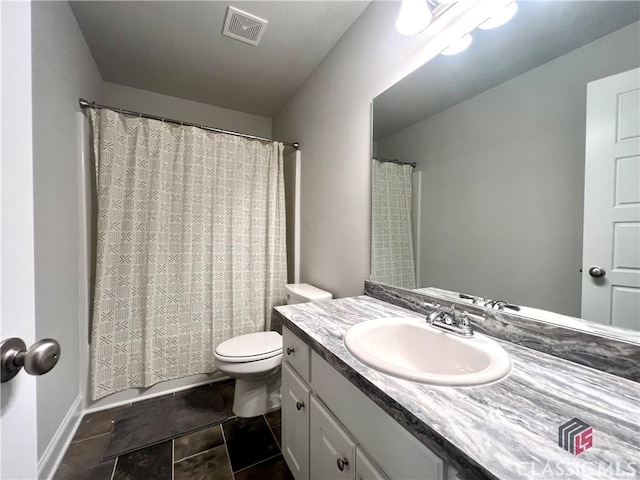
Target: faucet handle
462 322
429 305
474 300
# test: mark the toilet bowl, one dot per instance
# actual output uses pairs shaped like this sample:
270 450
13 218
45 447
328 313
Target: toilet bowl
254 361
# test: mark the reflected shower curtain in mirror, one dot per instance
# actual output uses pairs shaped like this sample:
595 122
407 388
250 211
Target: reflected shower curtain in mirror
392 260
190 247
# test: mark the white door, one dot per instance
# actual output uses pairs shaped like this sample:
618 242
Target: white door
612 202
18 449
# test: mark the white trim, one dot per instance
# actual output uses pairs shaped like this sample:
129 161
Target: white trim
416 219
84 204
53 454
296 222
149 396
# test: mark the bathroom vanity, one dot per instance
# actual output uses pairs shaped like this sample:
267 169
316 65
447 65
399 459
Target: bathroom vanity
332 430
342 419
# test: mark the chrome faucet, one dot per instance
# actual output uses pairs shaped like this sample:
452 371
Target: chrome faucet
500 305
449 320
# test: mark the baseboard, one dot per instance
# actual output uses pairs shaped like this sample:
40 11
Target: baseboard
217 377
52 456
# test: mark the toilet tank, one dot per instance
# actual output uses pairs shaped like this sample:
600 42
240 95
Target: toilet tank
303 292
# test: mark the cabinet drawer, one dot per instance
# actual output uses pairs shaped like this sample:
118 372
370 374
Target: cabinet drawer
367 469
296 353
333 449
295 423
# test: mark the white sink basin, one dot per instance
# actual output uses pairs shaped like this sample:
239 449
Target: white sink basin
409 348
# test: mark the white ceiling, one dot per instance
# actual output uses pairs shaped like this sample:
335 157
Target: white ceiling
540 32
177 48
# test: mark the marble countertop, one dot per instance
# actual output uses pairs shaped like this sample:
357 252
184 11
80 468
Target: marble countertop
507 430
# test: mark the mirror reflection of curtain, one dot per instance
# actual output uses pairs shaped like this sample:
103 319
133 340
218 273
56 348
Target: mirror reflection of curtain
392 259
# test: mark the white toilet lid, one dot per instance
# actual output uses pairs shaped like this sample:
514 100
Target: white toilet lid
250 347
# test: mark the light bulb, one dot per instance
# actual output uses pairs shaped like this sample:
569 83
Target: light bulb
458 46
414 17
500 17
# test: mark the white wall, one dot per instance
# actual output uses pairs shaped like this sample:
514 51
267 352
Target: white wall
331 118
171 107
63 70
505 172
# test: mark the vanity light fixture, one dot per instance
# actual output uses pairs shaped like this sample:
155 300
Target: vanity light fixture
500 17
458 46
414 17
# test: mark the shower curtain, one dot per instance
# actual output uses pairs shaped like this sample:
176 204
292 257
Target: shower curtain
190 247
392 259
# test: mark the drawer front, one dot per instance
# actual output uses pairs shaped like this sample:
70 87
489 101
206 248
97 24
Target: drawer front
367 469
333 450
296 353
295 423
398 452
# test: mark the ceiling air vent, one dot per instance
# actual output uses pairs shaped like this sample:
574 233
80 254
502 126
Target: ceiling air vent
243 26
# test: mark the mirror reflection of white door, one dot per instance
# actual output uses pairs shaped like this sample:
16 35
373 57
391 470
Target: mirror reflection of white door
18 448
612 202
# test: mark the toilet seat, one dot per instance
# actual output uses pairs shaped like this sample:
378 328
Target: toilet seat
250 347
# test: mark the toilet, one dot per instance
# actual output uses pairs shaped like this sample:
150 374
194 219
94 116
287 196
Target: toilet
254 360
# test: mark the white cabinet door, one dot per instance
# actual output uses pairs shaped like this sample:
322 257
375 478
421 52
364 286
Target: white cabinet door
366 469
451 473
333 450
398 452
295 423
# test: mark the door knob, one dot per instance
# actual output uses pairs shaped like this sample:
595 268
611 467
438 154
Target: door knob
597 272
40 358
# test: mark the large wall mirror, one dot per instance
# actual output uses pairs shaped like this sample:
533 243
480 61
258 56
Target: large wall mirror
487 194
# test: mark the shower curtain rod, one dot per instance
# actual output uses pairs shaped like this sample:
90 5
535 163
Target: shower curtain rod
86 104
394 160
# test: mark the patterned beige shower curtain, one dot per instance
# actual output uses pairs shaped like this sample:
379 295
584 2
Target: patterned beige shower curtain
392 260
190 247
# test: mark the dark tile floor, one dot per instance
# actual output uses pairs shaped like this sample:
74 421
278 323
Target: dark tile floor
236 449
